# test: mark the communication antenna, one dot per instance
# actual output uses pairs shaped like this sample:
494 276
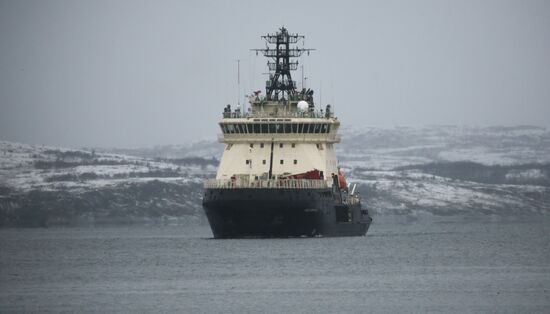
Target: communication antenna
239 83
333 95
303 76
321 94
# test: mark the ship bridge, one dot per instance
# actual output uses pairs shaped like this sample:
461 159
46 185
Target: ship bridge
289 129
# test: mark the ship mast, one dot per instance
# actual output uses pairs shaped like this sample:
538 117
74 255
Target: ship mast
280 85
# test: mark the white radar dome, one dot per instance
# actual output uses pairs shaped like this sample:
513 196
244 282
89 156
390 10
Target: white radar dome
303 105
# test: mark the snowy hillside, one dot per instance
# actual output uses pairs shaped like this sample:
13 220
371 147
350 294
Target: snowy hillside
446 170
414 192
46 185
387 148
433 170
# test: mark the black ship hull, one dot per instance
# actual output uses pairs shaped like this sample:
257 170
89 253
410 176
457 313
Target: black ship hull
243 212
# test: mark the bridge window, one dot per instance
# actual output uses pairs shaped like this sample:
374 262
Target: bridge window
263 161
282 162
231 128
288 128
281 145
295 161
261 145
293 145
251 145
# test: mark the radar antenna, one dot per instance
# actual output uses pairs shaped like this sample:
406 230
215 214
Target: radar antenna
280 85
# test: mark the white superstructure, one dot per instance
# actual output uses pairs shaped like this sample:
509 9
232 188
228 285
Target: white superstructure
289 141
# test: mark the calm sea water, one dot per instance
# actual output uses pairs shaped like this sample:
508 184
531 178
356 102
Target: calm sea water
501 267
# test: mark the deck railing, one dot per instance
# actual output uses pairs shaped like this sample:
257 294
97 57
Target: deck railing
278 114
351 200
289 137
266 184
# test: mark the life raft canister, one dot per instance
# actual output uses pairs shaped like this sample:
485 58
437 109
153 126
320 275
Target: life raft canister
341 181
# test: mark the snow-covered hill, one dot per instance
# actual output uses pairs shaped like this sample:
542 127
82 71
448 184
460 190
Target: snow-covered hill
414 192
448 170
434 170
46 185
387 148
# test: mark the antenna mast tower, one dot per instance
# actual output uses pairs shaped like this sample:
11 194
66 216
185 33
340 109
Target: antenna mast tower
280 85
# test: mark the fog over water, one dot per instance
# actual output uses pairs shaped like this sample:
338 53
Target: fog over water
143 73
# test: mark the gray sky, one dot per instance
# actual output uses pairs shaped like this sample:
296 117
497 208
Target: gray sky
142 73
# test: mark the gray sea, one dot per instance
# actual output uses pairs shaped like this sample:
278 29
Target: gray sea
459 266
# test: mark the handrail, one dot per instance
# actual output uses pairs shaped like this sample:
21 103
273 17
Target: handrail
351 200
278 114
290 137
266 184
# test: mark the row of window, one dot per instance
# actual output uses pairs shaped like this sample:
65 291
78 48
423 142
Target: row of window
281 145
282 162
283 128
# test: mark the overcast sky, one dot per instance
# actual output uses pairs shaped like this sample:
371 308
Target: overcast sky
142 73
